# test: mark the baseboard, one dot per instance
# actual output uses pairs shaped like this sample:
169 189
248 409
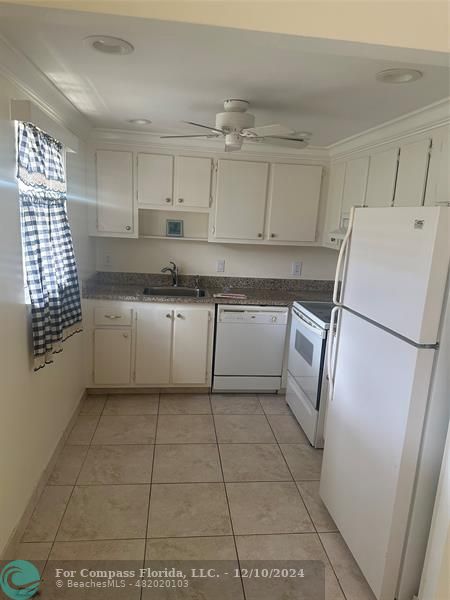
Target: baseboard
19 530
149 390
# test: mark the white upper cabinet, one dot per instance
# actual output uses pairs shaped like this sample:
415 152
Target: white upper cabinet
294 195
155 180
192 182
334 203
114 183
355 183
381 179
190 346
240 200
412 173
438 182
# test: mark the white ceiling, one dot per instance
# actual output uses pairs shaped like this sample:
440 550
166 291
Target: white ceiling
183 72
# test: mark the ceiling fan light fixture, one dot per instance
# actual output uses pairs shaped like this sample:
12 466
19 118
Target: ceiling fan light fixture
399 75
107 44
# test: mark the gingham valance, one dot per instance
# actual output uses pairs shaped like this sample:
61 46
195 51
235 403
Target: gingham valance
50 267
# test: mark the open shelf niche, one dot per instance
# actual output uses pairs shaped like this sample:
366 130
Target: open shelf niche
152 225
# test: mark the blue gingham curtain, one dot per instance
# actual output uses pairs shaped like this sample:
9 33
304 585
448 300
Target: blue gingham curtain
50 267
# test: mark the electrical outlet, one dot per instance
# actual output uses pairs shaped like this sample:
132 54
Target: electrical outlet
296 269
220 266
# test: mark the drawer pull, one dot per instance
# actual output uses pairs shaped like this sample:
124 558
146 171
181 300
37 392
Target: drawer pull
113 316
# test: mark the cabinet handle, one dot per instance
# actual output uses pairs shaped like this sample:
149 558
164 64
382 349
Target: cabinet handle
260 235
128 227
180 200
168 316
168 199
113 316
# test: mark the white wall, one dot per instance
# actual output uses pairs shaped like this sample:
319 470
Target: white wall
241 260
35 408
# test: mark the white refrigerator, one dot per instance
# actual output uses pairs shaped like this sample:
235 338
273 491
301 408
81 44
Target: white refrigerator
383 424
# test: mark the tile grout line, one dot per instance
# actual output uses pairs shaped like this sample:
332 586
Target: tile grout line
228 503
150 493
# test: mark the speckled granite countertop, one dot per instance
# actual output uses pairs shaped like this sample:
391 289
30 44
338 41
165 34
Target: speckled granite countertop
269 292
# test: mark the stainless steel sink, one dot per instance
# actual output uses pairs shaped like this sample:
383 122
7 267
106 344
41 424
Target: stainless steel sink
174 291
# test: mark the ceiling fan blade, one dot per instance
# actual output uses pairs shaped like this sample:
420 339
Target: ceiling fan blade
281 141
199 135
205 126
268 130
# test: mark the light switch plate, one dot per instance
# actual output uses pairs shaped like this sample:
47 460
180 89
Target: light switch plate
220 266
296 268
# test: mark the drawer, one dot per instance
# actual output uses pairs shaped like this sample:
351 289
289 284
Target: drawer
104 315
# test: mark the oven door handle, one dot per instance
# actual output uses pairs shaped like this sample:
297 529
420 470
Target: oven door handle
314 328
331 354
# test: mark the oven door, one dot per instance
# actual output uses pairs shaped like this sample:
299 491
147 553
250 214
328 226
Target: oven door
307 355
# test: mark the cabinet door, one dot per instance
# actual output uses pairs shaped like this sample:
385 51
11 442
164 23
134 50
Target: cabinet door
355 183
190 346
240 199
155 180
381 179
334 202
153 344
438 181
192 182
112 356
294 202
115 192
412 173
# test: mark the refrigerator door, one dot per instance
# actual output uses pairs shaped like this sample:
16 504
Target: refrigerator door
373 434
397 268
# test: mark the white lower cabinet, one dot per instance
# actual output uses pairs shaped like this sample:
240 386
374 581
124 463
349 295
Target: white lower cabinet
112 356
155 344
190 346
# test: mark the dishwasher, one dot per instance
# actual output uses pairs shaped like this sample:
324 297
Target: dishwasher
249 348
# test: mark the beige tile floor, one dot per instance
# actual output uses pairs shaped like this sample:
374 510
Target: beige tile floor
190 477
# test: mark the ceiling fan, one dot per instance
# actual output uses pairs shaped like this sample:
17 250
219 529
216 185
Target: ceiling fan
237 125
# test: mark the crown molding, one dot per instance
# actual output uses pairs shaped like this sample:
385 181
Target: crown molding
23 74
413 123
139 140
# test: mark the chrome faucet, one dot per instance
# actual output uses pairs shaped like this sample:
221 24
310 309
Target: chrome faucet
173 271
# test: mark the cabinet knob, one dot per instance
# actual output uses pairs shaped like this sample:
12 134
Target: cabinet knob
168 200
260 235
169 316
272 235
180 200
128 227
180 316
125 335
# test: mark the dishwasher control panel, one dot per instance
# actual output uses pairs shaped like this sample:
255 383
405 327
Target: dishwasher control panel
253 314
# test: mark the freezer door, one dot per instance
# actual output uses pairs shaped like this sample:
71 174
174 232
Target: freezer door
397 268
373 433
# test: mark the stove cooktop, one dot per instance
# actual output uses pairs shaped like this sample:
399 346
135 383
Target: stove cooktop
320 310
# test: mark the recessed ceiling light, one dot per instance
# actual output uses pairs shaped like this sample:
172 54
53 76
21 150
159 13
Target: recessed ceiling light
399 75
109 45
139 121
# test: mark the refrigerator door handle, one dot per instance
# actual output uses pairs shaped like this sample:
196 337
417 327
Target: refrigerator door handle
337 294
331 354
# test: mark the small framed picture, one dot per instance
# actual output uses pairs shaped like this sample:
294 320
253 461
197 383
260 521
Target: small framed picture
174 228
